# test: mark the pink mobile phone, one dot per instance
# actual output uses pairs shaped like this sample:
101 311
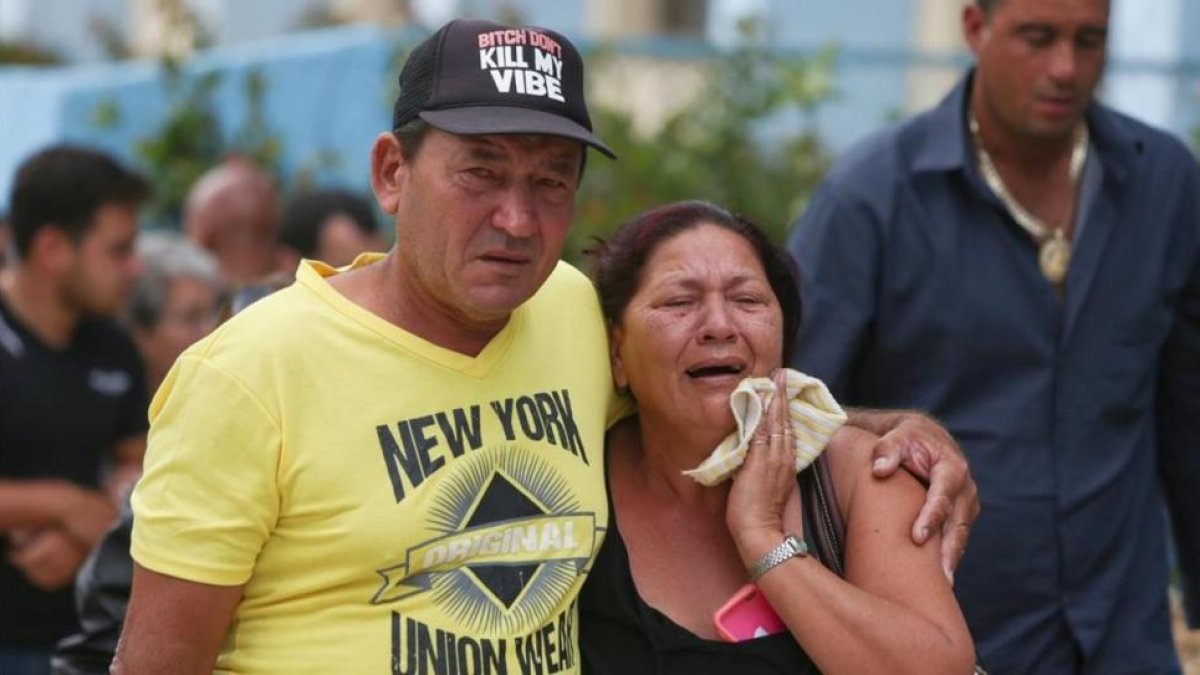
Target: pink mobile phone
747 616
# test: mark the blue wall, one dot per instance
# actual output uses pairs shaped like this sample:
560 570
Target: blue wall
1188 103
871 35
329 92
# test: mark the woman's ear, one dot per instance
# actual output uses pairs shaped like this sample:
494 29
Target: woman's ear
615 336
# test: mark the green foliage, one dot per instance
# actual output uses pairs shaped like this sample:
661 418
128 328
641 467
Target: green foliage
317 16
19 53
189 141
185 145
713 148
181 20
106 115
320 161
178 19
113 42
255 139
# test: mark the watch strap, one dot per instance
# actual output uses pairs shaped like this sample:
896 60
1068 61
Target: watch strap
791 547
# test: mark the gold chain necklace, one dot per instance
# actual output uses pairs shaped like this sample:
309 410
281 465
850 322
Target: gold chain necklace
1054 249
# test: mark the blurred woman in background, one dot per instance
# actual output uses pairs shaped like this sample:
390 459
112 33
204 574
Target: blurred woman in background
175 302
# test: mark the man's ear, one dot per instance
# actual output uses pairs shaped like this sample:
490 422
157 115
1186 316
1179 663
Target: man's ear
52 249
974 26
615 337
388 168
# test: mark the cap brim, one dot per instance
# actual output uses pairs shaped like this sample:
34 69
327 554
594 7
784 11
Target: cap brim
507 120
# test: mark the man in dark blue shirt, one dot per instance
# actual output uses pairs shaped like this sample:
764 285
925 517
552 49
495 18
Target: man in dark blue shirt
1025 263
72 388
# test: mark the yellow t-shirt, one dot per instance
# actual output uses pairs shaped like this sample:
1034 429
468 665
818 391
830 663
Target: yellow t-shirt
390 506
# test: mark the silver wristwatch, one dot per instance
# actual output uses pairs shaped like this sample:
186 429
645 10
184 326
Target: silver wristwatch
791 547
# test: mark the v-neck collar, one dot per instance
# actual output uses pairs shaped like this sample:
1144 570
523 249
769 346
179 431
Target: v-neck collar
314 276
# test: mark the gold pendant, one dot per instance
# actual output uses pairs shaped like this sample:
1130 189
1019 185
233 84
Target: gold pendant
1055 258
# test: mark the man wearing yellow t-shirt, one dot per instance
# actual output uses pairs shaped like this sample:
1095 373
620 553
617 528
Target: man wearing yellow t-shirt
398 467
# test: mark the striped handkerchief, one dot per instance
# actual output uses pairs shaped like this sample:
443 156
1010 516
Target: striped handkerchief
814 416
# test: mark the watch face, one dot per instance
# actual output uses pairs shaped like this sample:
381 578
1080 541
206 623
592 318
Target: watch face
798 546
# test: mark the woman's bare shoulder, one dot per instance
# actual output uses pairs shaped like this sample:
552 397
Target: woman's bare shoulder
849 458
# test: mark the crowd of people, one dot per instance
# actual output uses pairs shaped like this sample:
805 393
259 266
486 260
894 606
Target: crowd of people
461 454
93 314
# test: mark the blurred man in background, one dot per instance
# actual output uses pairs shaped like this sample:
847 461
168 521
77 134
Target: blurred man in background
329 225
5 241
72 387
175 302
233 213
1025 263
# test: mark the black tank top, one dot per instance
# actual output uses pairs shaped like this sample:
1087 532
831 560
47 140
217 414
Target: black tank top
622 635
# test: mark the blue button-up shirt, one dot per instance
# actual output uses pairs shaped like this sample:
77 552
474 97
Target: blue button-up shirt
921 291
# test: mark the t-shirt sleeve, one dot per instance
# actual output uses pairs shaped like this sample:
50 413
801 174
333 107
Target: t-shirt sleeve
208 498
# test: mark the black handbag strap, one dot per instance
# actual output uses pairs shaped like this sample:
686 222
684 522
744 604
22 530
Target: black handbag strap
823 515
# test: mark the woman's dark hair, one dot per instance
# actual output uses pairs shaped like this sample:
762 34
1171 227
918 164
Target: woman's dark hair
307 213
617 264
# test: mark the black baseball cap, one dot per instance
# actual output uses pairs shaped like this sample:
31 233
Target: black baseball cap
478 77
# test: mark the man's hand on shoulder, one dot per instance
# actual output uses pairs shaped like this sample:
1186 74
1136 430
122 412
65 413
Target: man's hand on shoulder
923 447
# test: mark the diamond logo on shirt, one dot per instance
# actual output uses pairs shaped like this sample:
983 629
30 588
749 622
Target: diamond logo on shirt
512 543
500 502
